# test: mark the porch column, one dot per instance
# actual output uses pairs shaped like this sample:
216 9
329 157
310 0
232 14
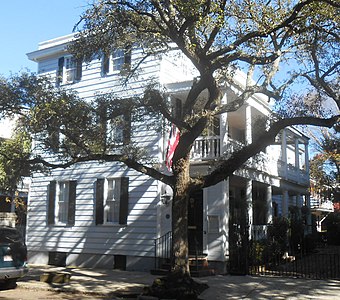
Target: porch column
298 200
248 125
269 205
225 218
306 157
297 154
284 152
309 215
249 202
285 200
224 128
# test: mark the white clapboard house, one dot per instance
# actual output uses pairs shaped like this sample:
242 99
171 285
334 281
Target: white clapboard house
107 215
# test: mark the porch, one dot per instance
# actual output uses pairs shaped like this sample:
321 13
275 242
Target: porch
211 148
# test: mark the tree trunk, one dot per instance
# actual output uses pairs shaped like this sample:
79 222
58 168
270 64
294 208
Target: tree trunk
180 250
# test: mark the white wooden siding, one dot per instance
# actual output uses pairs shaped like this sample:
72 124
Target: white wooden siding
134 239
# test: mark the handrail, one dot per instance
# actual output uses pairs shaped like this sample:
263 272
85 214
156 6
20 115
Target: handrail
163 247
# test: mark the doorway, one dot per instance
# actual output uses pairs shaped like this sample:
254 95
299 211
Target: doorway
195 223
238 232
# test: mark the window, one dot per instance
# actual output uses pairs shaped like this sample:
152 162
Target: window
119 59
112 200
55 137
69 70
115 130
118 130
62 199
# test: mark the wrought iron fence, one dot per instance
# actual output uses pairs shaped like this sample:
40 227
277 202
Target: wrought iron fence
292 256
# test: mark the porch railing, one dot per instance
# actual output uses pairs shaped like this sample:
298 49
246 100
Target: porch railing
163 246
292 173
207 147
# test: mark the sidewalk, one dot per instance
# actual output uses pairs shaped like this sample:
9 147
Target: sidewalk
124 283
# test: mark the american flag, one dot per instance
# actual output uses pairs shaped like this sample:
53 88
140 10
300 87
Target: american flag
172 144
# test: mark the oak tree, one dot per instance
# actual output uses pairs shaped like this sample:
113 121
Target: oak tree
287 49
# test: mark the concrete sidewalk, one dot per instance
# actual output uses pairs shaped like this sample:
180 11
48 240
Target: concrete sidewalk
114 283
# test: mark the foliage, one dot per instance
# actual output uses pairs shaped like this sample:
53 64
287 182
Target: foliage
278 233
271 249
15 153
278 44
310 242
325 166
296 229
333 228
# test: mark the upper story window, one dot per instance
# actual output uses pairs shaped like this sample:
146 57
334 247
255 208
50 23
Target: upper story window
115 62
115 130
118 130
69 70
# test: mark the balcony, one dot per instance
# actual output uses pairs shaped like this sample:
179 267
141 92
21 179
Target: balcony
292 173
206 148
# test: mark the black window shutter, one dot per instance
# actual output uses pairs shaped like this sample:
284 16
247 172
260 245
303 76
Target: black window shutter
124 200
106 63
100 201
127 129
79 69
60 70
51 202
72 202
127 57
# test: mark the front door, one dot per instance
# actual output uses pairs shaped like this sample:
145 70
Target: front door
195 223
238 235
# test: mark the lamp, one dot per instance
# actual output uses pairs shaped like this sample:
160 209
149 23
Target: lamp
166 198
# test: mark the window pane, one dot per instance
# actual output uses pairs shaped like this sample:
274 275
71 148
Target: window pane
110 190
111 210
118 59
62 201
110 216
115 131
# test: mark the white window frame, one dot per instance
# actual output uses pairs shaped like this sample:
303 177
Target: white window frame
69 70
116 62
62 202
111 200
115 131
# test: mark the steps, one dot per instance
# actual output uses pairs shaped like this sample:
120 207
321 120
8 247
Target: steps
199 267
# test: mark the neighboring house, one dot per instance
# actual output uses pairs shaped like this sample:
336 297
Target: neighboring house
321 203
106 215
10 213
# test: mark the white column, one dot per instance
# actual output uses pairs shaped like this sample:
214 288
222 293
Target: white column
224 128
309 216
249 201
297 154
284 152
269 205
285 200
225 218
298 200
248 125
306 157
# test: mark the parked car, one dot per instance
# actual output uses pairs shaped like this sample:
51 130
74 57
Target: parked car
13 256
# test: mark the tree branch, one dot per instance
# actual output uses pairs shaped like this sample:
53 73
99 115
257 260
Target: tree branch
238 158
131 163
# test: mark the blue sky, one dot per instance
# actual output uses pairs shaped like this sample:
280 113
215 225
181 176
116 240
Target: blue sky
25 23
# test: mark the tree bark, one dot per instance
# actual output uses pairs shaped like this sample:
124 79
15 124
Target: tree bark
180 262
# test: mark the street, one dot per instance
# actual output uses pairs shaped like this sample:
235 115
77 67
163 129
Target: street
38 294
